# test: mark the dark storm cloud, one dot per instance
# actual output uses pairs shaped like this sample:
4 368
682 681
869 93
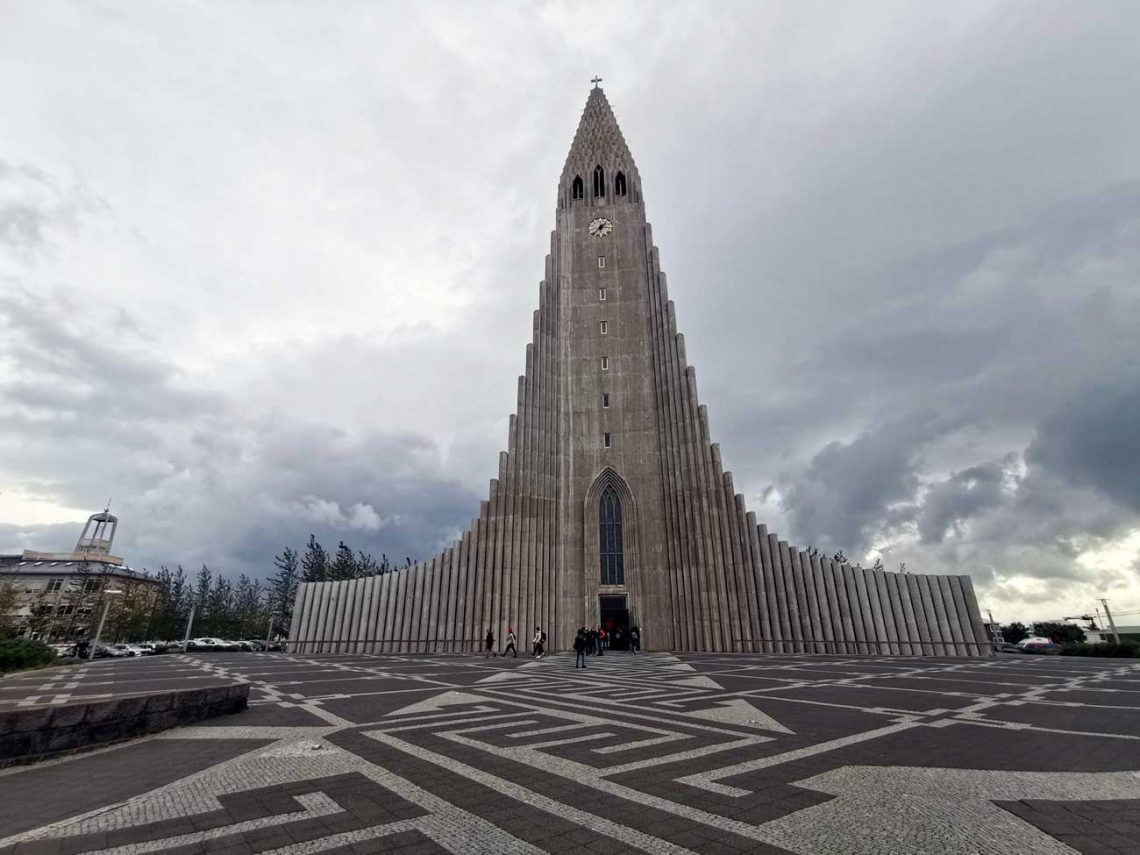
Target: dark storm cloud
1021 333
847 489
1094 441
962 496
200 477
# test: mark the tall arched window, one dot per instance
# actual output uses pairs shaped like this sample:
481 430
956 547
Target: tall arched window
609 538
619 184
599 181
577 191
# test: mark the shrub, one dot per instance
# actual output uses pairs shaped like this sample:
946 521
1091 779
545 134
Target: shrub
20 653
1126 649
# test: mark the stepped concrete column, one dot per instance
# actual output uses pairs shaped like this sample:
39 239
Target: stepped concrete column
843 602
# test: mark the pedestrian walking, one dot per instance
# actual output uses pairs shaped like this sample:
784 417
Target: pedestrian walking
511 639
490 642
580 649
539 641
602 640
634 640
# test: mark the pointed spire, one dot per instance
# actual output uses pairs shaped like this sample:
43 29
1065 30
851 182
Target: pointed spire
598 141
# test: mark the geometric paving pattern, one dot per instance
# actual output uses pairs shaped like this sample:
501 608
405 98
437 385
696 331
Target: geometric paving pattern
637 753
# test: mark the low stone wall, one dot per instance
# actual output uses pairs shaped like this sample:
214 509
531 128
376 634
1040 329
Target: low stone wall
37 733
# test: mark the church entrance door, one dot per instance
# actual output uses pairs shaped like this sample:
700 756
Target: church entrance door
615 620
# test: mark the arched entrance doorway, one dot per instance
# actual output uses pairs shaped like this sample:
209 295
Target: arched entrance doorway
612 556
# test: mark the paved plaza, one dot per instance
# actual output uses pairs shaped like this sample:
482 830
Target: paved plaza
652 753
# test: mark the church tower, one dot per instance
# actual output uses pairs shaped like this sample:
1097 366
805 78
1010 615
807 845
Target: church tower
611 505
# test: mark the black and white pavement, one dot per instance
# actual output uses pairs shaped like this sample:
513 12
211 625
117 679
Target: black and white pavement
649 753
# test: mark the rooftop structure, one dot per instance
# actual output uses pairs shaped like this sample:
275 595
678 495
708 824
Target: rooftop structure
56 592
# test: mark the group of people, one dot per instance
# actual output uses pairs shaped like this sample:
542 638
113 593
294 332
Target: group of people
596 641
588 642
538 643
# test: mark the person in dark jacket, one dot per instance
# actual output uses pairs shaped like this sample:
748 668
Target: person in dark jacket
580 649
634 639
511 639
490 642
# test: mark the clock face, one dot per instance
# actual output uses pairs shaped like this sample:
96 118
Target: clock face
601 227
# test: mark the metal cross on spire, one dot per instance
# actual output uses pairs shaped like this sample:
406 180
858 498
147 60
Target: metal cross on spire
596 81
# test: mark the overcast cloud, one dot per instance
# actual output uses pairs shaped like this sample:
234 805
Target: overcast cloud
268 269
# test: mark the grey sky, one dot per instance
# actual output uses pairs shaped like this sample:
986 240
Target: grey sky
268 269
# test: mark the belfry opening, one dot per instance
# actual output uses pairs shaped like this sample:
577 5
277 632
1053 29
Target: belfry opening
668 546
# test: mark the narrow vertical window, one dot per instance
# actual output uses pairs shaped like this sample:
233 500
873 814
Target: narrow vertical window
608 440
577 189
604 327
601 261
605 363
619 184
605 400
601 293
609 538
599 181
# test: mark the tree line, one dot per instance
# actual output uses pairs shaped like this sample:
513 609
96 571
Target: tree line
223 607
318 565
1058 632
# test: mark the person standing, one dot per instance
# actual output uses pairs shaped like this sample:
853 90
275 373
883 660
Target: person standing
634 640
591 641
511 639
603 640
490 644
580 649
539 639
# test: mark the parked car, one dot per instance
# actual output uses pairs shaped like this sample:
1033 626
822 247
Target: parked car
63 649
113 651
203 644
1006 647
131 649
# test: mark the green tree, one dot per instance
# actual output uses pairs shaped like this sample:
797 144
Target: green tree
220 611
9 599
1014 632
249 617
283 588
315 563
202 585
130 614
366 565
343 564
1058 632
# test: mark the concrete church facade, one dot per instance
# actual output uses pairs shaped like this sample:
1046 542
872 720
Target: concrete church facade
611 505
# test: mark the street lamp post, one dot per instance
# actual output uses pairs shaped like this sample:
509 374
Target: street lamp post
110 592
